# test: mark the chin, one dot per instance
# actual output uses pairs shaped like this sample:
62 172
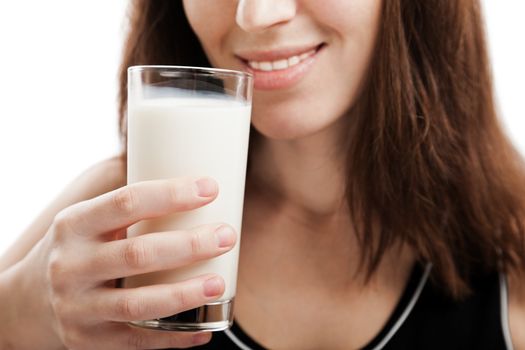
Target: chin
282 134
285 126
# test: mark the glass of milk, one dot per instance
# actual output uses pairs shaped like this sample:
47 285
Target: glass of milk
191 121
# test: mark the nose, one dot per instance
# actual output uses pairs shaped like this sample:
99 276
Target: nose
258 15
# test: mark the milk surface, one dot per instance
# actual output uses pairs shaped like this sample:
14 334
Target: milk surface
191 136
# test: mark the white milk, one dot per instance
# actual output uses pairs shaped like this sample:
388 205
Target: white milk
203 136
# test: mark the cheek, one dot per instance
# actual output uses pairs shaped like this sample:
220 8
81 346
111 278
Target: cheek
344 15
352 26
210 21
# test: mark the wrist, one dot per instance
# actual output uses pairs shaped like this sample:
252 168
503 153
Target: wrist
8 316
22 318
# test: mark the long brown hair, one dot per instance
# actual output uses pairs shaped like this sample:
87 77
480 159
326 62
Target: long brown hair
430 163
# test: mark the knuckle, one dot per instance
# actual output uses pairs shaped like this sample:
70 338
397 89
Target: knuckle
70 339
178 195
180 298
174 192
62 222
197 244
65 315
56 272
136 254
59 307
124 200
131 308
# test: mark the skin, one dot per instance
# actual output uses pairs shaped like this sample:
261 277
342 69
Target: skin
290 227
64 284
298 155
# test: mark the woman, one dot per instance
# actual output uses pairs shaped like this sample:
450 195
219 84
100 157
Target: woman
385 208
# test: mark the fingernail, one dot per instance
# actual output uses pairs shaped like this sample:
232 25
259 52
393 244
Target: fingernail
201 338
225 236
206 187
212 286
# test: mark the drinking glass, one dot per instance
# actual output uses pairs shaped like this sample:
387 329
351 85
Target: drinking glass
191 121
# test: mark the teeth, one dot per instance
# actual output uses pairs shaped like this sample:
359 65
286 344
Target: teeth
306 54
266 66
292 61
280 64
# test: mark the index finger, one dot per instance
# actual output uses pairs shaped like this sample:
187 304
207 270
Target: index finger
143 200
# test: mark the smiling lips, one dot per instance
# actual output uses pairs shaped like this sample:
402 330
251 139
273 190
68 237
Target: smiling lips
279 69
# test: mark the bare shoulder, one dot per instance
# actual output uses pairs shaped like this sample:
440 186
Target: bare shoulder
115 165
517 309
100 178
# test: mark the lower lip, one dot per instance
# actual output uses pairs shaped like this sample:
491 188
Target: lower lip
282 78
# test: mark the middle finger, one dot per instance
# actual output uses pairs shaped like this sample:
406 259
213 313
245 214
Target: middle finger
158 251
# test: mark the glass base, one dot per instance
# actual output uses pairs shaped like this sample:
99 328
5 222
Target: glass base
216 316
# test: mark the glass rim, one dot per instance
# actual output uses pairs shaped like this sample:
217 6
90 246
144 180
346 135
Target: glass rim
197 70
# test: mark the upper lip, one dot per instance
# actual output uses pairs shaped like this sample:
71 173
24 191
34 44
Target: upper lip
274 54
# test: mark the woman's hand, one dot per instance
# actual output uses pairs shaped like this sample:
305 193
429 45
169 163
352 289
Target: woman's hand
63 291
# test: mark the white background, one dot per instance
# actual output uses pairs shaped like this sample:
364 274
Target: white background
58 88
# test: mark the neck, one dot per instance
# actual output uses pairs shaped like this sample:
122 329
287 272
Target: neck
295 205
306 174
296 213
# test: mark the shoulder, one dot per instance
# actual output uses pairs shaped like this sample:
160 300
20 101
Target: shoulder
101 177
114 166
517 309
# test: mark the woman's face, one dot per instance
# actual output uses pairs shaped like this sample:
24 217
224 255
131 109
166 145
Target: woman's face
308 57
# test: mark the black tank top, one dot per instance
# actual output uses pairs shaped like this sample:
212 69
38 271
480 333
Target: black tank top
424 319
